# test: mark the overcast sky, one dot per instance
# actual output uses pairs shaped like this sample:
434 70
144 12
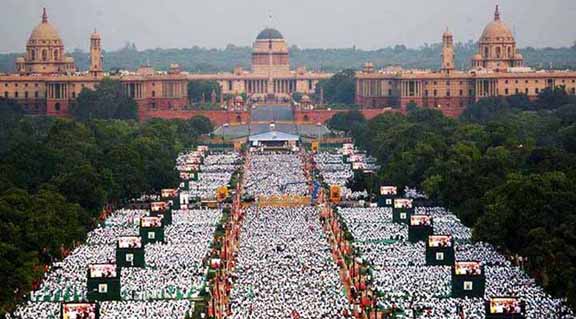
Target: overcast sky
368 24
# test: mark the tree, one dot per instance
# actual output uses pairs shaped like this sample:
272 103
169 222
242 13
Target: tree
201 91
346 121
339 89
108 101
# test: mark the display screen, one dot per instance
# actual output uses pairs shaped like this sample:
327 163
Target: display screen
505 306
158 206
420 220
388 190
150 222
79 311
440 241
403 203
102 271
467 268
168 193
130 242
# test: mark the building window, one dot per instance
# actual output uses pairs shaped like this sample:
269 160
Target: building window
526 91
537 90
229 85
573 91
153 93
6 94
435 92
44 55
26 94
461 92
33 54
57 106
506 91
517 91
73 95
15 94
389 92
506 81
426 93
435 82
448 93
36 94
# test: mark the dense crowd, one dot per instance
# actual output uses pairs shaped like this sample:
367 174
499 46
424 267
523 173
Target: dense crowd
174 269
405 282
215 171
403 279
284 267
275 174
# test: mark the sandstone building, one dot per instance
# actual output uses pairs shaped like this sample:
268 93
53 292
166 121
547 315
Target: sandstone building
497 70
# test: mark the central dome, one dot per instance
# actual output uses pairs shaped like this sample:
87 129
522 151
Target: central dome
44 32
270 34
496 31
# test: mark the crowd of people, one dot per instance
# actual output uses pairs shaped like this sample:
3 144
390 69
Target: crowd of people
215 170
272 173
284 267
174 269
404 282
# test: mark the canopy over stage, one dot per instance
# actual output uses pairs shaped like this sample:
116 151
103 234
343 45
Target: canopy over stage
274 140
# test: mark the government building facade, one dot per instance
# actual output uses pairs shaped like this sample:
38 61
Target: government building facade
47 80
497 70
270 78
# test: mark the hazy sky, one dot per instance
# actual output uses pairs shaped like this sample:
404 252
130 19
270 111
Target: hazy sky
368 24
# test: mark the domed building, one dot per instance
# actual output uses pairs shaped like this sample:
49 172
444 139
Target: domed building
45 52
497 70
497 47
270 53
270 79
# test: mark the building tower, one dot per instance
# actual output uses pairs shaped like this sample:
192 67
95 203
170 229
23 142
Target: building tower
497 47
96 65
447 52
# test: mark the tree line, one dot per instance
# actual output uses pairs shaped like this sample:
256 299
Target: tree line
506 167
57 175
206 60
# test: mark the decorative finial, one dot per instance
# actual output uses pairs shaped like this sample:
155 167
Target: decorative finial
44 16
270 23
497 13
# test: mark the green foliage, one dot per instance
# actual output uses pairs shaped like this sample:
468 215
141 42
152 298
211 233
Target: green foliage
56 175
201 91
346 121
108 101
339 89
507 168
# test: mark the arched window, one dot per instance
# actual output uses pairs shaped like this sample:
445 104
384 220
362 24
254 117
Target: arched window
44 55
486 51
498 52
33 55
56 55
